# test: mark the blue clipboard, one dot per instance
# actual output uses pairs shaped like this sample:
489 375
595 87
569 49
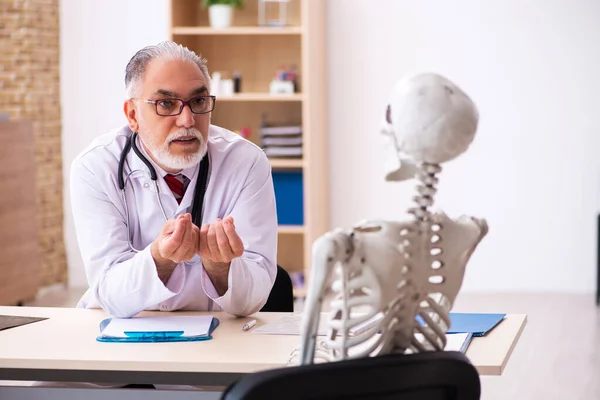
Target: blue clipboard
155 337
478 324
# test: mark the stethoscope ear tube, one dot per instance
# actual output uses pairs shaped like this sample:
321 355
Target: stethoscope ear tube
121 165
141 156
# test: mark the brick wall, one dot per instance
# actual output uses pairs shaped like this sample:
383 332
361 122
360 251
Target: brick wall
30 89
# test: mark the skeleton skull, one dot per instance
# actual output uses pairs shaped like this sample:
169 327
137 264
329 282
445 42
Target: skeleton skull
428 119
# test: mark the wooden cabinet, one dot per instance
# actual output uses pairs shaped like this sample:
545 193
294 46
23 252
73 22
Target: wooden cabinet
19 275
256 53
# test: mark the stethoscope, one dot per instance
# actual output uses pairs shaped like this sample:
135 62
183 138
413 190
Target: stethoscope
199 190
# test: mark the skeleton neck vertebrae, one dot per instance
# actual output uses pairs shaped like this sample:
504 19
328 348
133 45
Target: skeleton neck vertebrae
433 306
403 275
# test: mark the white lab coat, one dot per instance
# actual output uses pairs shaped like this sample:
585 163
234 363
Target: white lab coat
124 282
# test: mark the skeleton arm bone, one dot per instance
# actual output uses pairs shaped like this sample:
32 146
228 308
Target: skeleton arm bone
327 251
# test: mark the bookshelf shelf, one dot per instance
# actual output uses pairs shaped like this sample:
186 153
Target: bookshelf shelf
261 97
297 144
236 30
287 163
300 292
291 229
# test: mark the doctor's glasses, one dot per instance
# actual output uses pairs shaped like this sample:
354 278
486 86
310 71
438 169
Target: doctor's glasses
171 106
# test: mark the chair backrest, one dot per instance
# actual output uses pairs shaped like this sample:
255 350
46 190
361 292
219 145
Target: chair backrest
444 375
281 298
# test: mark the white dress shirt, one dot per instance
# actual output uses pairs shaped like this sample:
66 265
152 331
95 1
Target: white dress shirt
124 282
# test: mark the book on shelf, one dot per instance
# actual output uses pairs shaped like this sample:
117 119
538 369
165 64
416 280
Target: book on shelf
269 141
281 130
282 141
287 152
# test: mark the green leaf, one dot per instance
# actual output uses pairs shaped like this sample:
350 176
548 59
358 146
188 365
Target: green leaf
232 3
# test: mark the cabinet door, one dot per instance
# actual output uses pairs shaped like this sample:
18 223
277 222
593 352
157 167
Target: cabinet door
19 274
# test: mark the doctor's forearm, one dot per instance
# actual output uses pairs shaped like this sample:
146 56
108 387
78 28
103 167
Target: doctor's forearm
164 267
218 274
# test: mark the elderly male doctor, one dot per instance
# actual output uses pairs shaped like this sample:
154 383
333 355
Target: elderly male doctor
226 263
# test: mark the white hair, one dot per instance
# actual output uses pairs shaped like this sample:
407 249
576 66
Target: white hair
134 72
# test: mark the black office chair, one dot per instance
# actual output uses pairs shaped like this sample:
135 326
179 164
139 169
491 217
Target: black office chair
443 375
281 298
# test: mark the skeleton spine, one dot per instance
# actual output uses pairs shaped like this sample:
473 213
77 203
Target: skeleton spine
427 188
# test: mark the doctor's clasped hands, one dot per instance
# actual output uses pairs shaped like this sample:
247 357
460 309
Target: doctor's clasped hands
180 240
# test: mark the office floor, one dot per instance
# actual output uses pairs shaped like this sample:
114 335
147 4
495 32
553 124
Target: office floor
557 357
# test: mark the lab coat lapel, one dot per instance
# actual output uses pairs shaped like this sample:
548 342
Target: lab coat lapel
187 202
188 197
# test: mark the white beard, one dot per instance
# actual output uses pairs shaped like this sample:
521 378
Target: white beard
162 155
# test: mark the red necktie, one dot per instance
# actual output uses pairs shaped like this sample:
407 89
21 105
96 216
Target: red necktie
177 185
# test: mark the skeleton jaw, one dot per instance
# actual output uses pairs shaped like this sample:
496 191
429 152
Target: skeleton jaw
397 165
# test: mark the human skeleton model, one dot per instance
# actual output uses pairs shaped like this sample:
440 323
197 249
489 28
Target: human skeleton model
405 275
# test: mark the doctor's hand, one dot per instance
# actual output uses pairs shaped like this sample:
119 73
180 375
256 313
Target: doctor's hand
177 241
219 242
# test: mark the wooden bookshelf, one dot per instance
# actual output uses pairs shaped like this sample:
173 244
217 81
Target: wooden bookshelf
291 229
262 97
286 163
300 292
257 52
238 30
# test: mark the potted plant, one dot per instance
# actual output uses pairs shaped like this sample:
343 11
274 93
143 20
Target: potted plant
220 12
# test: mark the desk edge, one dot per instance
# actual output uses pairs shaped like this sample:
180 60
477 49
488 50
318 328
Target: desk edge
513 344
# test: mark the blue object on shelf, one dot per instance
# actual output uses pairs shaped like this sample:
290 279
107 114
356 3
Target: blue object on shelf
289 197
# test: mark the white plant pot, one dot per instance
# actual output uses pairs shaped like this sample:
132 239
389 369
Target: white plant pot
220 16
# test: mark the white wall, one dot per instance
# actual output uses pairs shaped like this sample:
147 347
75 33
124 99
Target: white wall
533 170
530 66
97 40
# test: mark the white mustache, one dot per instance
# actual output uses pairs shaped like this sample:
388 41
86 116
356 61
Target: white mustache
185 133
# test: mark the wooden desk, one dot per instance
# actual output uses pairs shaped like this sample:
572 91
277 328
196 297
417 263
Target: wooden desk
64 348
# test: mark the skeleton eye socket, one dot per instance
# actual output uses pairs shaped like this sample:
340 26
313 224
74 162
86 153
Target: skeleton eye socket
388 114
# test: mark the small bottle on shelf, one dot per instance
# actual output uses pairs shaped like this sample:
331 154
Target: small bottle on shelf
237 82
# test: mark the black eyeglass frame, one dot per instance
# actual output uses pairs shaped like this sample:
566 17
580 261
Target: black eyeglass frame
183 104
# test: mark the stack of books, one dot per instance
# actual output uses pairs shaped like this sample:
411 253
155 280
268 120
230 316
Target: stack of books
282 141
